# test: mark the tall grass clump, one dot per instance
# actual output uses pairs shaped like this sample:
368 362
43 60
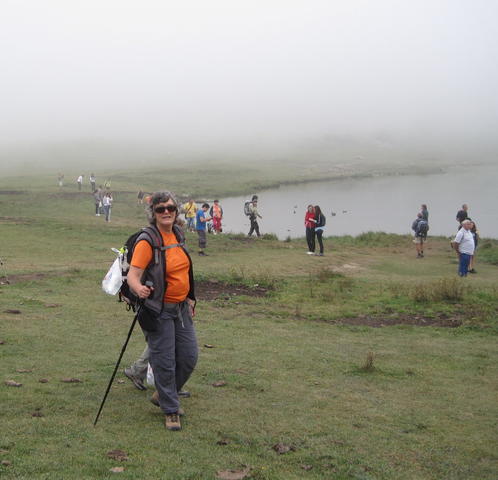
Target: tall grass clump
442 290
488 252
269 236
373 239
241 275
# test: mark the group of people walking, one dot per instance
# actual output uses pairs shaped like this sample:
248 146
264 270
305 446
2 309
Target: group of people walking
465 242
314 222
203 220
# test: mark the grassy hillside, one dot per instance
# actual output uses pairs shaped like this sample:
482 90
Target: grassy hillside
367 363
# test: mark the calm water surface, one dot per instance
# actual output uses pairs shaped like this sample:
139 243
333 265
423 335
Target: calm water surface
388 204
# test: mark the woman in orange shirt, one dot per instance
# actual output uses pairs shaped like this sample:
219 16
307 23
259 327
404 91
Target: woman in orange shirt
170 305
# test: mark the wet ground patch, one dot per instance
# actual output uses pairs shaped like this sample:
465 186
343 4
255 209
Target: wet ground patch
215 290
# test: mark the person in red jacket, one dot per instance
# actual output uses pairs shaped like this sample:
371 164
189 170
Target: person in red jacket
309 223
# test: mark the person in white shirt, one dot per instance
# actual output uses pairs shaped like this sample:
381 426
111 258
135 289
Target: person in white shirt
464 246
107 203
80 181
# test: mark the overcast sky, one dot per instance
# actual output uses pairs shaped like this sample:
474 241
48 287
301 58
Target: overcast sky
217 70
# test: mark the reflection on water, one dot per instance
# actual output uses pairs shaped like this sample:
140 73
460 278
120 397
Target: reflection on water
388 204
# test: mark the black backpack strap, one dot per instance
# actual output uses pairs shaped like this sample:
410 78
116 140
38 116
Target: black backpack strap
156 241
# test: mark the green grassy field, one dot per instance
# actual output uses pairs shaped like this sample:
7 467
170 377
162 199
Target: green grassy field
295 361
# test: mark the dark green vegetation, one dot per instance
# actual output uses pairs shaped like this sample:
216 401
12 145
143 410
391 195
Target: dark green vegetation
369 363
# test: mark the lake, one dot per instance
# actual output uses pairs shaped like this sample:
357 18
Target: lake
388 204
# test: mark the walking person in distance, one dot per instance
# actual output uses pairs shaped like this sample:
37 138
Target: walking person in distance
253 216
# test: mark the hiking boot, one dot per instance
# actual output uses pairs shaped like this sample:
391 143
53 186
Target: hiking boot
202 254
137 381
172 421
184 394
155 400
473 270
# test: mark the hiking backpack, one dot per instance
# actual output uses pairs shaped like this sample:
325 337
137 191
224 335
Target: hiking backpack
422 228
247 208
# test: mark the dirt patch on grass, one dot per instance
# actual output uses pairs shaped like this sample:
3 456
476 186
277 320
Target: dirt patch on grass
25 277
12 192
213 290
441 320
15 220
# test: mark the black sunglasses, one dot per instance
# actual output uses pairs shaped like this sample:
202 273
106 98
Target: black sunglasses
170 208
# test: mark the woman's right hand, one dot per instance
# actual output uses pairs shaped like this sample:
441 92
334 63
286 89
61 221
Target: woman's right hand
144 291
134 281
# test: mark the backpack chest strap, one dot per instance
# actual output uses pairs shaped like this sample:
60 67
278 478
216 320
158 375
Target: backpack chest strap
171 245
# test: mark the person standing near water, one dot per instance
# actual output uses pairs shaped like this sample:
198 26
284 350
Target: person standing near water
475 234
309 223
216 213
462 214
253 216
319 228
200 225
190 210
79 181
420 228
424 212
464 246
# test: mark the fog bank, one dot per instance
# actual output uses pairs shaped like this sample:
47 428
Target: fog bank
149 79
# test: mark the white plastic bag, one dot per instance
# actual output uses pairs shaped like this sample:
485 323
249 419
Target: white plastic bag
114 279
150 376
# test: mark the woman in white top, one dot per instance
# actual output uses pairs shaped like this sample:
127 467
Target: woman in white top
107 204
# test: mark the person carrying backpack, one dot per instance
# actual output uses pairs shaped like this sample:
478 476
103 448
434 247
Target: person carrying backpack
253 216
168 306
420 227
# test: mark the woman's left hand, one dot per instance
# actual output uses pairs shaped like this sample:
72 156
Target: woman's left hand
191 306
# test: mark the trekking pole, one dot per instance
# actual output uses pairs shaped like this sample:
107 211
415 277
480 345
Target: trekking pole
149 284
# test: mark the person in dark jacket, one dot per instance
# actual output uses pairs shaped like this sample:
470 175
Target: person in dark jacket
462 214
169 305
424 212
319 228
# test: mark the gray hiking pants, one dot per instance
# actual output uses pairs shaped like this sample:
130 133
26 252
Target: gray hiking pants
139 367
172 353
